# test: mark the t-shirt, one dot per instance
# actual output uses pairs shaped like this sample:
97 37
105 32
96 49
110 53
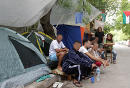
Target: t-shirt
55 45
100 36
109 47
83 50
94 53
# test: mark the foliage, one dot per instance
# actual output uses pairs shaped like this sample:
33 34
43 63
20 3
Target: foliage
76 5
125 6
107 5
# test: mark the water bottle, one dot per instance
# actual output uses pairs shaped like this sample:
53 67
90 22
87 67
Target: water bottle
92 79
98 74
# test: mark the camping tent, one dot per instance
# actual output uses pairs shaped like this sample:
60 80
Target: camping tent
71 34
20 61
36 40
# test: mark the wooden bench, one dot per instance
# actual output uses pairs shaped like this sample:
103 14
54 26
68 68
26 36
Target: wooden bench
58 72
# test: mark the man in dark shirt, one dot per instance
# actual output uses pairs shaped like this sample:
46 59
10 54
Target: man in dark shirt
76 63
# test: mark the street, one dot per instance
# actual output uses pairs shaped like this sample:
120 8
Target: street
116 75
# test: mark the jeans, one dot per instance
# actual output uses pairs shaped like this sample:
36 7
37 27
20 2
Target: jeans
113 52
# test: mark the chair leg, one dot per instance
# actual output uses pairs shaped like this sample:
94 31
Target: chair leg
105 55
111 58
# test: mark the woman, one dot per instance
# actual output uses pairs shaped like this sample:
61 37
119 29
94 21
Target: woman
100 35
109 46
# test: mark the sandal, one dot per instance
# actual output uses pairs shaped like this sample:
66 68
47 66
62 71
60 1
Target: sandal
77 84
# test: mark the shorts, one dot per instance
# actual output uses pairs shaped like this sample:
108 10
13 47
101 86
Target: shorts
53 57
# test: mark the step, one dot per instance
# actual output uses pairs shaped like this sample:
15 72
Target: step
44 84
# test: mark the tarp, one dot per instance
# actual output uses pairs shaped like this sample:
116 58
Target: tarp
98 24
21 13
70 34
61 15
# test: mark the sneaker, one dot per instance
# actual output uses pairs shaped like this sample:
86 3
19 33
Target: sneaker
114 62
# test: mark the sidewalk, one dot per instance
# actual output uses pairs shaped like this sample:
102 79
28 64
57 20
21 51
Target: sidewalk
116 75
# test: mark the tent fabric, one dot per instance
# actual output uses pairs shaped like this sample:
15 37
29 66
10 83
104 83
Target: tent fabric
70 34
98 24
32 37
21 13
82 30
61 15
13 63
78 17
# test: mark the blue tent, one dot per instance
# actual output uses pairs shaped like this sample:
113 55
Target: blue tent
70 34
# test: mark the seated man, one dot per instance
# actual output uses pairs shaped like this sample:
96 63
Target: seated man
76 63
94 51
83 49
57 51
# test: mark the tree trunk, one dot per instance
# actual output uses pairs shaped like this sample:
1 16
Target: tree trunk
47 27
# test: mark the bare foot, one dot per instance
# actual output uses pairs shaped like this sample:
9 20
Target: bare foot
105 63
93 66
59 68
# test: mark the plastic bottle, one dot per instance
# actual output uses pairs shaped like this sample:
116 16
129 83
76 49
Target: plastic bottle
98 74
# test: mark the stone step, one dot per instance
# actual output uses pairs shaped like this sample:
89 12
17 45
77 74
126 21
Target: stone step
44 84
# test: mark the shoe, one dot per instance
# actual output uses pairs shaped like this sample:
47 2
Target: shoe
114 62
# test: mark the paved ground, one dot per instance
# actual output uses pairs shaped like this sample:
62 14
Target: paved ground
116 75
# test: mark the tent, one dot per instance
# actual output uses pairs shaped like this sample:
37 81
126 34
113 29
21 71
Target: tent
61 15
20 61
36 40
22 13
71 34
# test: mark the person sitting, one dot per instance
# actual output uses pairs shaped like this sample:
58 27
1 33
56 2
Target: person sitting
57 51
76 63
100 50
94 51
109 46
84 50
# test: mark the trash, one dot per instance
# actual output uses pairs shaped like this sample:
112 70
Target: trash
43 78
57 85
92 79
98 74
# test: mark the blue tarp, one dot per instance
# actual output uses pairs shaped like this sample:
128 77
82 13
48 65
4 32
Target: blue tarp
78 17
70 34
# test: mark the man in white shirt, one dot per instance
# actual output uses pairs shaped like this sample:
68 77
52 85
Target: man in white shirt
83 49
57 50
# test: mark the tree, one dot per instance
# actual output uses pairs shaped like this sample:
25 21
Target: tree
47 27
125 6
